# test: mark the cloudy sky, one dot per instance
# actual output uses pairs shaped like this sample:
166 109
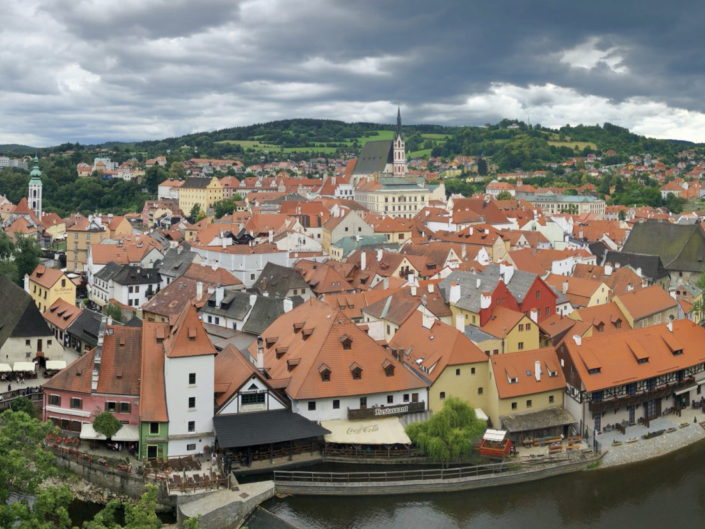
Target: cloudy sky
96 70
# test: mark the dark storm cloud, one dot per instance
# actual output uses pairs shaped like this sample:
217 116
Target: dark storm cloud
90 70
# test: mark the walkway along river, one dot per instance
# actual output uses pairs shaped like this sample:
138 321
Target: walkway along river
660 493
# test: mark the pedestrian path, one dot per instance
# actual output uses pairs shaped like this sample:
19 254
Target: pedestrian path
676 432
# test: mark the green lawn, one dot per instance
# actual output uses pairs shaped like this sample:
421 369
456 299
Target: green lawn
422 153
575 145
251 144
434 136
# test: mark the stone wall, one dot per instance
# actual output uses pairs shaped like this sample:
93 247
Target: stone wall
226 509
430 485
123 483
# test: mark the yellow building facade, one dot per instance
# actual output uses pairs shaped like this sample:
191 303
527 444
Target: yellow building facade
46 285
202 191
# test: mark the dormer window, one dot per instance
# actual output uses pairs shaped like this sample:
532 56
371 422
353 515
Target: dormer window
594 371
513 380
642 361
306 333
346 341
270 341
281 351
298 326
324 371
388 368
356 371
677 352
292 363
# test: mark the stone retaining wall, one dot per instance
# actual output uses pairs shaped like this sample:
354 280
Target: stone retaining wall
431 485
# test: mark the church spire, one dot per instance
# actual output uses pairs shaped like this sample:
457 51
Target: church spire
399 151
35 189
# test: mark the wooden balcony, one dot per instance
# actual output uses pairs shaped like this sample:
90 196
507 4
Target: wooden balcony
386 411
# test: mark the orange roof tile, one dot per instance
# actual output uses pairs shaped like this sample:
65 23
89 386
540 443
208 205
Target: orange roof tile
604 361
430 350
61 314
152 387
647 301
329 338
46 277
514 373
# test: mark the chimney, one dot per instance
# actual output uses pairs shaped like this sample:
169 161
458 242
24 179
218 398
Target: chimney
565 287
199 290
288 305
413 290
260 354
537 371
430 287
460 322
669 326
454 293
26 283
426 320
253 299
485 300
363 260
578 339
506 272
608 269
219 293
534 315
471 230
271 236
379 255
478 283
638 272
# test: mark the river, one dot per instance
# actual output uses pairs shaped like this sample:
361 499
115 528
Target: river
664 493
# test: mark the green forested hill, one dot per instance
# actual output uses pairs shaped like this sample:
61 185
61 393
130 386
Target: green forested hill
510 144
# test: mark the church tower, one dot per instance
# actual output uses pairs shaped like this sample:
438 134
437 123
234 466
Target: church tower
35 190
399 152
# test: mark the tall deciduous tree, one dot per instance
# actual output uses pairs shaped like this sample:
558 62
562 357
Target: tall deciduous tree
26 256
450 433
107 424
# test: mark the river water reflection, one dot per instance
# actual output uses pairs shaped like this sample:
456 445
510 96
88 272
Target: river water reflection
666 493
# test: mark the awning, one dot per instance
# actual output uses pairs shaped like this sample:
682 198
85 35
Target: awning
537 420
5 368
480 414
381 431
87 432
263 428
494 435
687 389
55 365
23 366
128 432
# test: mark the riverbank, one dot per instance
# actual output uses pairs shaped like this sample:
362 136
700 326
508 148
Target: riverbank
663 492
635 449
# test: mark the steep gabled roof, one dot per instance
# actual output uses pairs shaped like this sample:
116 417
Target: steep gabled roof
153 406
188 337
327 337
277 280
680 246
21 317
515 373
374 157
430 350
607 360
